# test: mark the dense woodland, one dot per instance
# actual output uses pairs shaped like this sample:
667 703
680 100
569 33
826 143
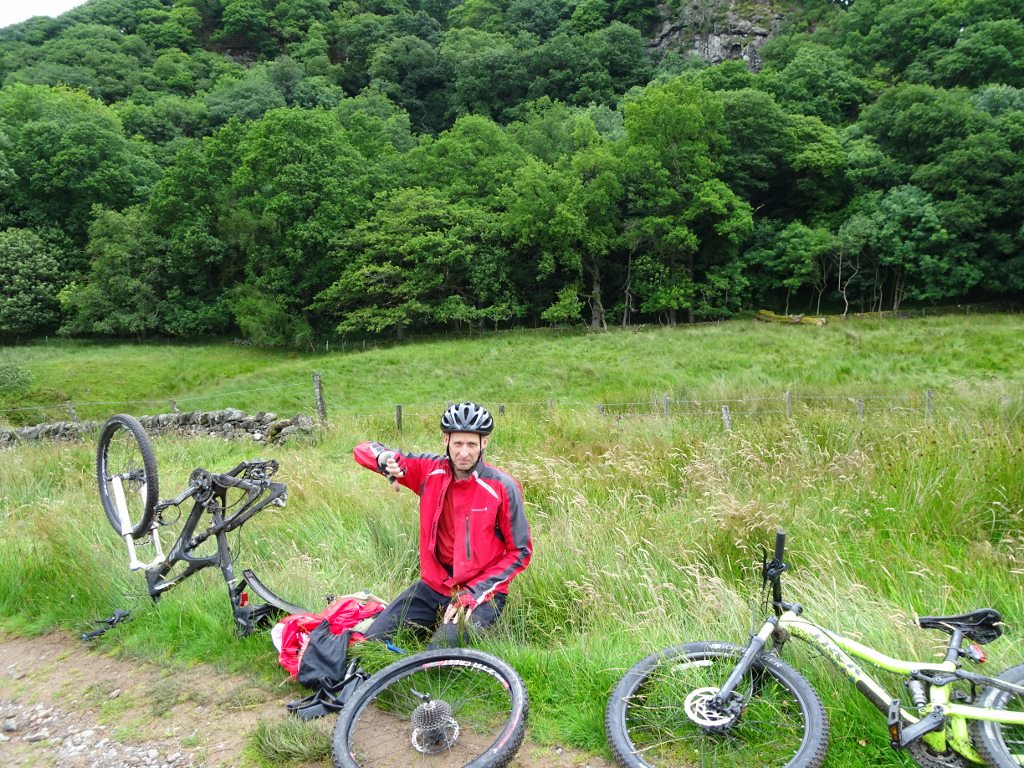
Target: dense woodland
291 170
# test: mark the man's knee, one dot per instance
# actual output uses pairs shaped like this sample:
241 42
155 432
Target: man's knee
417 608
487 613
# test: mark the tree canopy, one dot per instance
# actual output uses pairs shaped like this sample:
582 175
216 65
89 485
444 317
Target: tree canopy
290 170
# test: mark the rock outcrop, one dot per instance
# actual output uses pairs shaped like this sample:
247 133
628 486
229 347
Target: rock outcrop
718 30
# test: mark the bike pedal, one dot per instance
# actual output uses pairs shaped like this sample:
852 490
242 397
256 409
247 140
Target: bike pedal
895 725
900 736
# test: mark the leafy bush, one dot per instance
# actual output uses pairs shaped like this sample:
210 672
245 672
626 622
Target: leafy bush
29 278
266 321
14 379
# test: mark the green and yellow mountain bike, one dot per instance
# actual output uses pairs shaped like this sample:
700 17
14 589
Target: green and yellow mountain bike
718 704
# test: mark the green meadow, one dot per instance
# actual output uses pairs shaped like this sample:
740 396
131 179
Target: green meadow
648 521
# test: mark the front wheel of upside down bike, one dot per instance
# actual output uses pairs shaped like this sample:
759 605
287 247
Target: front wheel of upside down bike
661 713
1002 745
449 708
126 472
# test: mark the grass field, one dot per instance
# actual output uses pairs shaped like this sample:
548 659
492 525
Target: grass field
647 528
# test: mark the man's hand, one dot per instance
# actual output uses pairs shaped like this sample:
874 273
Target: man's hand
390 463
460 608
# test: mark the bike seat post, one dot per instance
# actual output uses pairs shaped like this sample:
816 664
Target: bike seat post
955 641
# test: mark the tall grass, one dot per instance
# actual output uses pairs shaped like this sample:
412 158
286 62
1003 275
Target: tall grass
647 529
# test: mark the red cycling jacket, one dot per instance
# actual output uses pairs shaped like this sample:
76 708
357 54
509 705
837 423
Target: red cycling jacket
492 536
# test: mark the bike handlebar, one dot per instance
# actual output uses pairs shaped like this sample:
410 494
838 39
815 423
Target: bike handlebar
780 543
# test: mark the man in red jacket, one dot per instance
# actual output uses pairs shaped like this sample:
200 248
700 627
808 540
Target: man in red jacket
474 537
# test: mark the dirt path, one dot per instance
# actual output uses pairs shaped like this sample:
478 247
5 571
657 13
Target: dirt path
63 704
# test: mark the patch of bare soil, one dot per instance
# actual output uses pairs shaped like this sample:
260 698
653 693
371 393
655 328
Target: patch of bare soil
65 704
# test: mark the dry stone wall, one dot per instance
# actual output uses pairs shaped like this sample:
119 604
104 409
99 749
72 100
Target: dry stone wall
229 423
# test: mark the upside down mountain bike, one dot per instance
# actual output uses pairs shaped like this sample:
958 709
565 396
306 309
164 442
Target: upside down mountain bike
719 704
129 489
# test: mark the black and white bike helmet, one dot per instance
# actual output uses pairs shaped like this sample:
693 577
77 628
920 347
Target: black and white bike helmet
467 417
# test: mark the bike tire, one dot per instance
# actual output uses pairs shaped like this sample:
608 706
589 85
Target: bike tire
484 729
782 724
125 451
1001 745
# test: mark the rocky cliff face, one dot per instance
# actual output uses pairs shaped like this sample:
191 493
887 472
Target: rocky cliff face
718 30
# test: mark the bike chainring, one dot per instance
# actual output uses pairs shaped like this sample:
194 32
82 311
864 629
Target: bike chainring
703 709
924 757
433 727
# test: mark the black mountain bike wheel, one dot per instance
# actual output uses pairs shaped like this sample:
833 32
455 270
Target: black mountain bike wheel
652 716
445 708
1001 745
125 452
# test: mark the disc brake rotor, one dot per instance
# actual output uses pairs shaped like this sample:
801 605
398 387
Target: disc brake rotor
703 709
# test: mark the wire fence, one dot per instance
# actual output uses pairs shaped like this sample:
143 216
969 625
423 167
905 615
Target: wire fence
310 396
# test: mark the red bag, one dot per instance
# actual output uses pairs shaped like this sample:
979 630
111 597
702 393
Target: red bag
291 634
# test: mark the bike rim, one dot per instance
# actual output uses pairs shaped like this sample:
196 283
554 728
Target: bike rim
444 713
123 457
768 733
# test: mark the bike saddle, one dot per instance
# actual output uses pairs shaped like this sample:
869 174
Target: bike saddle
981 626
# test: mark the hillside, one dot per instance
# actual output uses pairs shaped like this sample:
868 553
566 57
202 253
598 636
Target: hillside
300 171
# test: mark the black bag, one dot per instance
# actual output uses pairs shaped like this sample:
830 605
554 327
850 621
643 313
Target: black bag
324 667
322 663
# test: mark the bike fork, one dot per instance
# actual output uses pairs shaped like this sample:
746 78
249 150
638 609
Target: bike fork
752 651
121 504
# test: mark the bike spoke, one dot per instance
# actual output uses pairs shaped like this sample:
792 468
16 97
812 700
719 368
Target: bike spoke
398 727
768 733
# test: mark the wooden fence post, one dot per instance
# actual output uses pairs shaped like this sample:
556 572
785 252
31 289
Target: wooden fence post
318 397
789 405
501 408
600 408
666 409
398 417
860 408
726 419
174 407
71 410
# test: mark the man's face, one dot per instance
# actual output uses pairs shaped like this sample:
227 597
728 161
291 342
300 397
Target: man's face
464 448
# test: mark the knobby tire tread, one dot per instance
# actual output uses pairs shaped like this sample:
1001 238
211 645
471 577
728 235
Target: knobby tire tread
115 424
988 737
814 745
341 747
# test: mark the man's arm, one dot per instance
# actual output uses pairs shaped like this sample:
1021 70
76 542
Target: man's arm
374 456
515 531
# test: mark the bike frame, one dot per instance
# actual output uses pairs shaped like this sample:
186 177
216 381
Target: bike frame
209 493
845 653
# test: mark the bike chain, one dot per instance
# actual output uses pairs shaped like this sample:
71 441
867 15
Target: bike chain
925 758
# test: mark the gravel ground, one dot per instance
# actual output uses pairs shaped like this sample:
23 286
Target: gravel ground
73 740
65 704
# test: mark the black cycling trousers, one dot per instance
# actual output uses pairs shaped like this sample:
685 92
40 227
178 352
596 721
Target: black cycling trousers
421 609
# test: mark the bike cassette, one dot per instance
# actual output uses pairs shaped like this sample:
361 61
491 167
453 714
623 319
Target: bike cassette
433 727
